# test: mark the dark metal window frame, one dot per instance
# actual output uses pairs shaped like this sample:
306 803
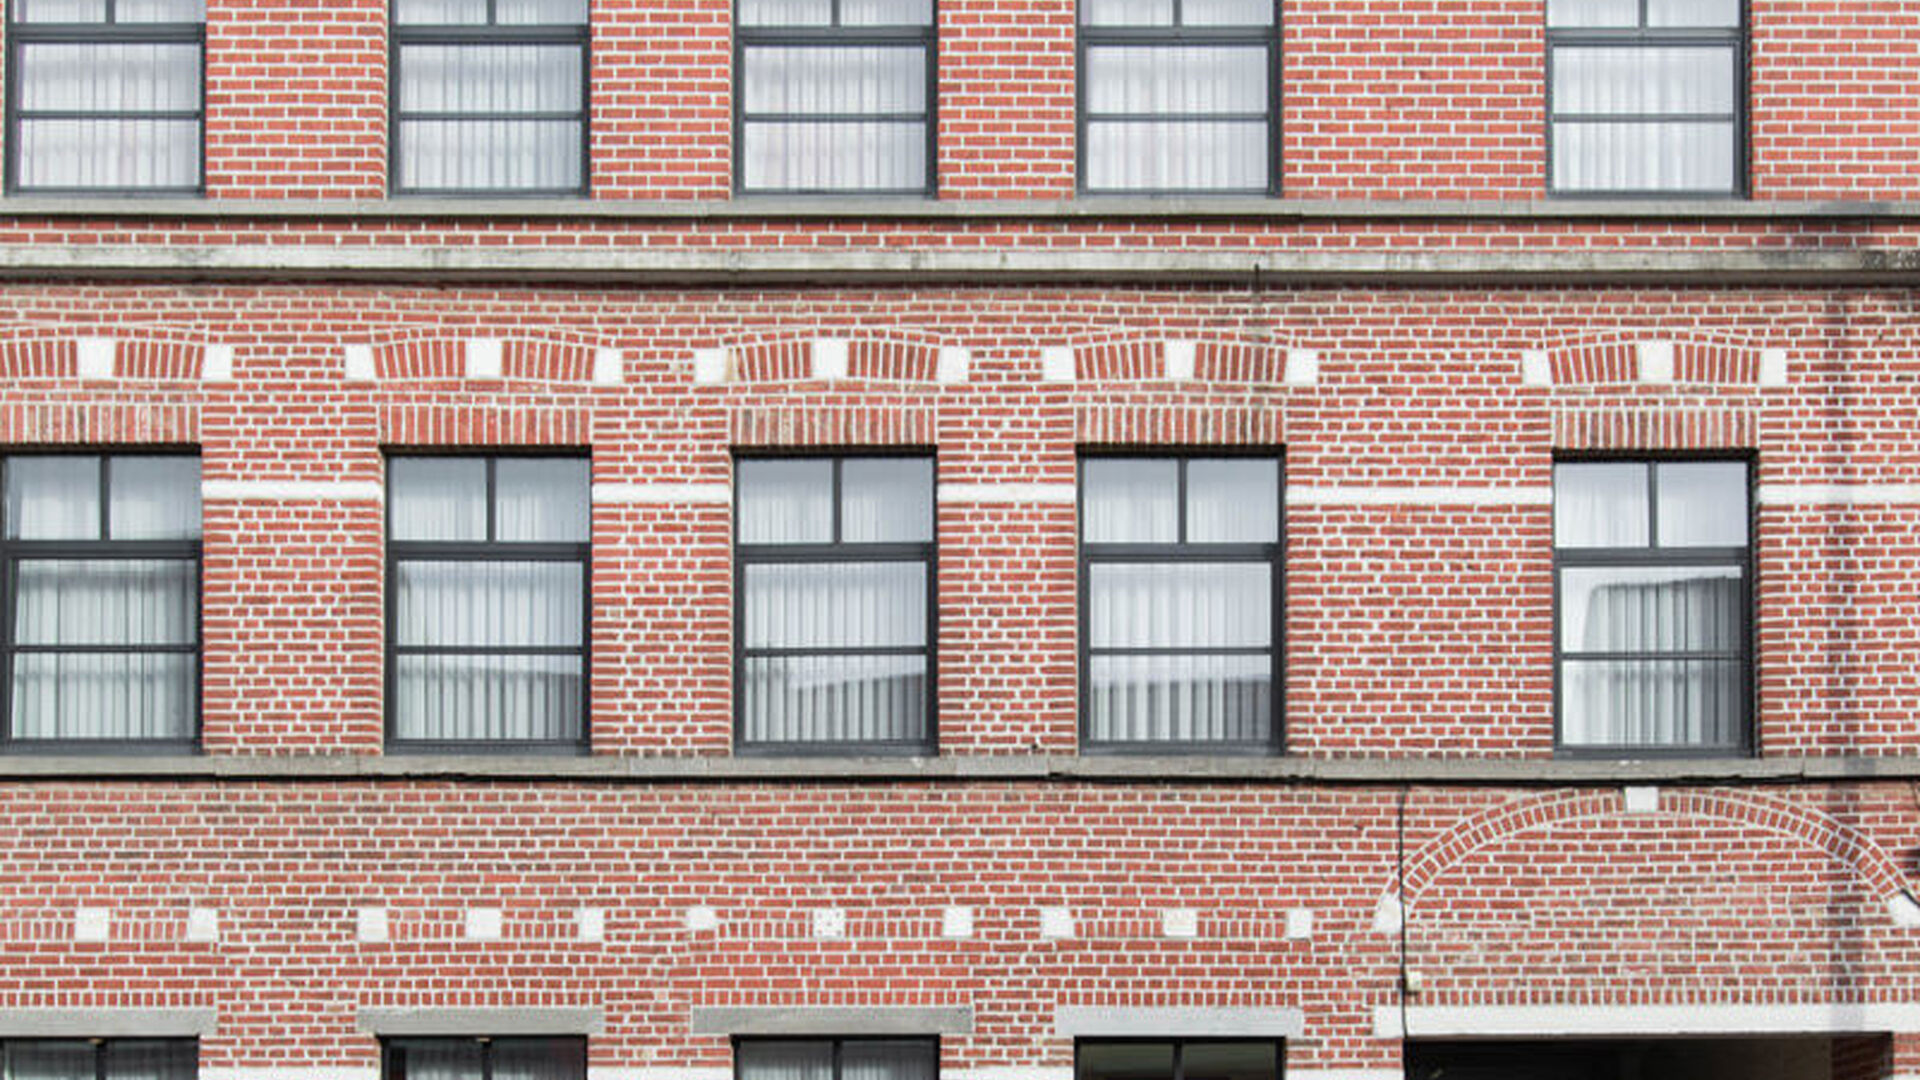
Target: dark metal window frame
100 1048
492 32
1181 551
488 550
393 1051
1653 555
1179 1046
837 550
839 1042
107 32
836 35
14 552
1177 35
1644 36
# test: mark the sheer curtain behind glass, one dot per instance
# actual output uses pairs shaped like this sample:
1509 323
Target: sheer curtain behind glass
116 110
490 1059
489 594
104 639
858 1059
1652 603
113 1059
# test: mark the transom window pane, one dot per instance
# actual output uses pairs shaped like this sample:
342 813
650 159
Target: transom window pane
490 96
1177 1059
484 1059
1179 589
101 586
1653 573
488 581
118 107
835 95
836 1059
835 576
1189 108
99 1059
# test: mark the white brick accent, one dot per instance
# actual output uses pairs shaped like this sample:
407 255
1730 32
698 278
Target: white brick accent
484 924
1180 923
831 358
359 363
609 367
1420 495
1904 909
1054 494
1303 367
829 923
662 494
1056 364
591 924
701 919
216 363
95 357
291 490
956 922
953 364
1056 922
1641 799
486 358
1299 924
1387 916
370 924
92 924
1773 367
1838 494
1656 361
1180 358
1535 368
710 367
203 925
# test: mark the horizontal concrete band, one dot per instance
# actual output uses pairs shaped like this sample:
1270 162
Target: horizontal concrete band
867 207
635 265
1548 1021
291 491
1838 494
617 494
502 1021
831 1020
83 1023
1420 495
1038 494
1184 1021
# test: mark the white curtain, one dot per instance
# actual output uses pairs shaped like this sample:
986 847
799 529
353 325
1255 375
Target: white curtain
798 153
538 1059
76 694
1655 700
1187 696
797 1060
882 1060
126 1059
498 152
1625 14
108 151
847 697
1134 85
1623 154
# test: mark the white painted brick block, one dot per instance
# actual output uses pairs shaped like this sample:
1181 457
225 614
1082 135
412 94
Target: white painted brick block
1535 368
95 357
1180 358
953 363
609 367
709 367
701 919
1299 924
832 358
92 924
1180 923
370 924
956 922
203 925
1056 922
484 924
1656 361
1056 364
1303 367
216 363
829 923
1386 917
486 358
360 363
1904 909
591 924
1773 367
1641 799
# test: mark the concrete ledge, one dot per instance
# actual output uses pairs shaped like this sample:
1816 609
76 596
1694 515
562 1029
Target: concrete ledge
1179 1021
107 1023
1558 1021
624 769
869 208
830 1020
508 1020
1146 265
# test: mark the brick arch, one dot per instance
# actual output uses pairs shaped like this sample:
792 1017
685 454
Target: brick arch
1815 829
150 353
429 354
1215 359
788 357
1699 359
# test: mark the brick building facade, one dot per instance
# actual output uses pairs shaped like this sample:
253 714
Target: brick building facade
1409 515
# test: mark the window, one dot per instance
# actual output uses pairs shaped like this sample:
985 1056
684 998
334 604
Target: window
1179 96
834 96
467 1058
487 612
836 598
1180 590
489 97
836 1059
1653 576
1645 96
105 96
1177 1059
102 596
100 1059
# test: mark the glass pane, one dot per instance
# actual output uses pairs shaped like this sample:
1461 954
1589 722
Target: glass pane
488 604
1227 12
439 12
490 155
437 498
1179 605
1182 80
1652 702
1623 81
875 1059
1233 501
151 1059
835 605
490 79
61 1059
1229 1061
1130 500
1171 155
886 500
541 500
886 12
53 498
1190 699
847 81
540 13
487 699
796 1060
1653 609
785 12
160 11
1600 504
1693 157
60 11
118 154
539 1059
820 156
833 699
92 78
439 1059
1578 13
103 695
153 498
106 602
1126 12
1720 13
785 500
1702 503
